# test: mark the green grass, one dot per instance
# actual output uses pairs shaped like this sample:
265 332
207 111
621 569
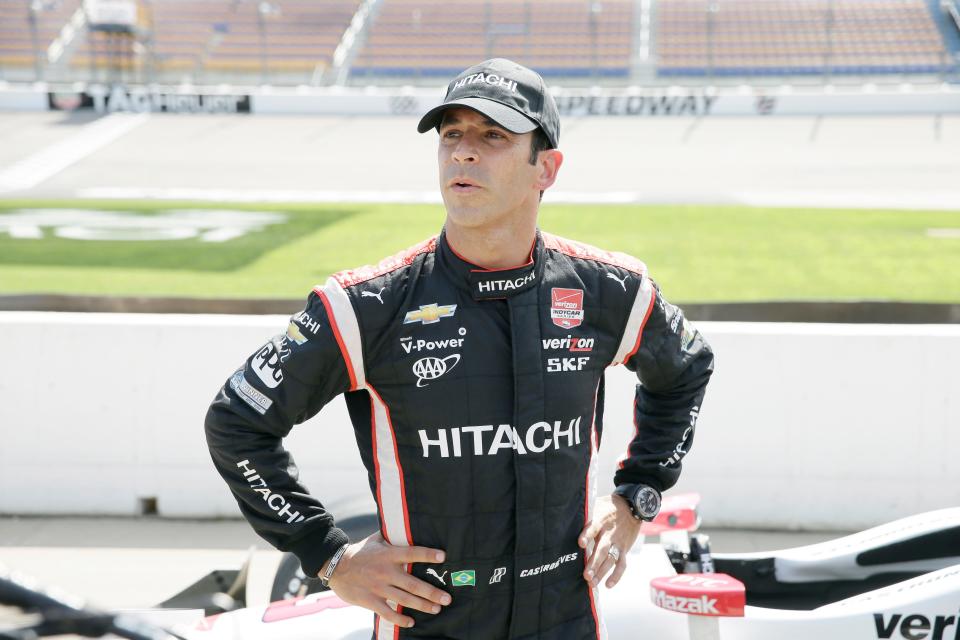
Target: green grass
696 253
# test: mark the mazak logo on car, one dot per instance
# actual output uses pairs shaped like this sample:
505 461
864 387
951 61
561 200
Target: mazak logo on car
700 605
915 626
431 368
566 307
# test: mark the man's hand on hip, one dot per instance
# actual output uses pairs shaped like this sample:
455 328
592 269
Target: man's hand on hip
371 574
609 536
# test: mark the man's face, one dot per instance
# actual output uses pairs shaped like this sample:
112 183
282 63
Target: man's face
485 170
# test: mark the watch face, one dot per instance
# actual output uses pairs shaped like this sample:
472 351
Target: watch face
648 502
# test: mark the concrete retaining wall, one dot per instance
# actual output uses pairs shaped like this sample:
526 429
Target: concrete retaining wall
804 426
631 102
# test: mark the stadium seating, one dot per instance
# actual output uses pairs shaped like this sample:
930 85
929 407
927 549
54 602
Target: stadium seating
414 40
16 34
177 35
233 36
296 35
442 37
788 37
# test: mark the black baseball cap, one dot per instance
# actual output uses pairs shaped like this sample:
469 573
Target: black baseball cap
508 93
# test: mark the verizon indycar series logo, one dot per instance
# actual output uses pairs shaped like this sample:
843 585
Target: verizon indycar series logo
431 368
566 307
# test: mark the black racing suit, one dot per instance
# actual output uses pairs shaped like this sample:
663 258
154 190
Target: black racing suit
476 398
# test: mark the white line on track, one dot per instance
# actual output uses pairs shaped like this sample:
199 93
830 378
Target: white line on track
840 199
259 195
49 161
953 234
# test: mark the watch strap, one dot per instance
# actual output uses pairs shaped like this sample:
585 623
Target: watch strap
629 493
331 566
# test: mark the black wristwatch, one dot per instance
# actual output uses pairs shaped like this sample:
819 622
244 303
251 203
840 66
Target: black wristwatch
643 500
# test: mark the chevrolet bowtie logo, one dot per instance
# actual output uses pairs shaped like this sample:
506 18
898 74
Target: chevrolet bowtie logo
430 313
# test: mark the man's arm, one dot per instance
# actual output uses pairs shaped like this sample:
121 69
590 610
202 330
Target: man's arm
673 363
283 383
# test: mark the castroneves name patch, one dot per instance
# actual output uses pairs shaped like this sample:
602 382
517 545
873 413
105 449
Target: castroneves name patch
570 557
701 605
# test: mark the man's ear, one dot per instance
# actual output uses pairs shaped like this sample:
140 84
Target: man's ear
548 164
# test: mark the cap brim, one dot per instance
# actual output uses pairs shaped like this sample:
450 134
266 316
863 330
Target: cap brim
507 117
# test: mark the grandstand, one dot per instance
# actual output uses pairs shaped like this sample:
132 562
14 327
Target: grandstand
785 37
221 40
27 30
569 38
613 42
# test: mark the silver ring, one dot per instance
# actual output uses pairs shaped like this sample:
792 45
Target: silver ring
614 553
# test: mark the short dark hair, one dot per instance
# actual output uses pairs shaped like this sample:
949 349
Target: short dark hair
538 142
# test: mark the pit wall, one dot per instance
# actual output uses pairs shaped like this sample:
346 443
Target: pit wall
805 426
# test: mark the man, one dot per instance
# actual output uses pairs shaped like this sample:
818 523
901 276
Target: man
473 366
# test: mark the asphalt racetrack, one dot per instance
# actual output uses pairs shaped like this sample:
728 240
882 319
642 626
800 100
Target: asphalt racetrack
839 161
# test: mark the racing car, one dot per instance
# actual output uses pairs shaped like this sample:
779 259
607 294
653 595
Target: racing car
900 580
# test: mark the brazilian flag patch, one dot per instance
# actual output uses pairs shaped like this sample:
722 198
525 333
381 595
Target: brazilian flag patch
464 578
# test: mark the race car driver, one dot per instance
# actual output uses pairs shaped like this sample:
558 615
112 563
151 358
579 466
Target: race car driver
473 369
